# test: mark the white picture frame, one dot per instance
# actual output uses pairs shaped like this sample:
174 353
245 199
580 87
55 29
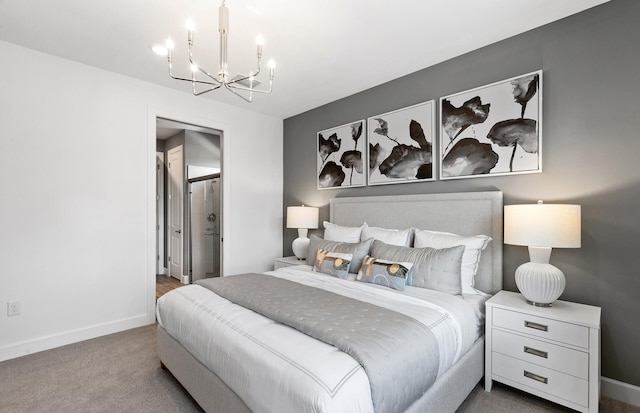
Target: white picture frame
340 156
492 130
401 145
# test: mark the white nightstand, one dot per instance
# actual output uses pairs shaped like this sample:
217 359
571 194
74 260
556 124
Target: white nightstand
287 261
552 352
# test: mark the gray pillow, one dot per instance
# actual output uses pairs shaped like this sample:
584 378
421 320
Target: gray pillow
358 249
436 269
384 272
333 263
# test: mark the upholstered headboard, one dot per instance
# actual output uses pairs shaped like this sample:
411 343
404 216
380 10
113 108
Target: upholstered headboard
465 213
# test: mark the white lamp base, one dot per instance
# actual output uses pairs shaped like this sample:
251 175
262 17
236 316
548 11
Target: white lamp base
540 282
301 244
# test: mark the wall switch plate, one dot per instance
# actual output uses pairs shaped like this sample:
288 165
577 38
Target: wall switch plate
13 308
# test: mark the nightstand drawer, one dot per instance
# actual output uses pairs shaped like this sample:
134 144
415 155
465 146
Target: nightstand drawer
562 359
542 327
561 385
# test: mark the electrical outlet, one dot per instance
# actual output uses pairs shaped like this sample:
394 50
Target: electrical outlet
13 308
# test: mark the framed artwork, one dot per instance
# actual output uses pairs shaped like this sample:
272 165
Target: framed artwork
340 156
492 130
400 145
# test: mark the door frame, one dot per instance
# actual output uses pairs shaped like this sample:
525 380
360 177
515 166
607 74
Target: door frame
225 149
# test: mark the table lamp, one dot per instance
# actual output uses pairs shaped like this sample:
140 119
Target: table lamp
541 227
303 218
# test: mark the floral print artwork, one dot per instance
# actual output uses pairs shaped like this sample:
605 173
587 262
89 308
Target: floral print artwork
340 160
492 130
401 145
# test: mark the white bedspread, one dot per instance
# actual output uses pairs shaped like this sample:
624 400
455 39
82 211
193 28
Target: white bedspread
274 368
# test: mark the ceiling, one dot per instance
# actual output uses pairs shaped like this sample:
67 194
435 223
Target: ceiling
325 50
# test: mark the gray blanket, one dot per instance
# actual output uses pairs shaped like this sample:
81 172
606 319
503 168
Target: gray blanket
399 354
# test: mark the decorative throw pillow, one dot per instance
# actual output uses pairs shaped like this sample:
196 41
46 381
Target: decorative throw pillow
357 249
333 232
436 269
384 272
388 236
333 263
473 247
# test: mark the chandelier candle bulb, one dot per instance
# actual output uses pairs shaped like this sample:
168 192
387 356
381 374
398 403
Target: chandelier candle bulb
260 42
272 69
190 28
223 20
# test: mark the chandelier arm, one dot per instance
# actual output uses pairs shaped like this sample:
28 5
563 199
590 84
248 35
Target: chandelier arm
210 76
222 78
201 82
226 85
202 92
191 80
240 79
247 89
201 70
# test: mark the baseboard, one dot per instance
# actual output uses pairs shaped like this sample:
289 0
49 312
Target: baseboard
618 390
24 348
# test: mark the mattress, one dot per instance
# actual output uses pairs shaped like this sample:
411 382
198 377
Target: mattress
274 368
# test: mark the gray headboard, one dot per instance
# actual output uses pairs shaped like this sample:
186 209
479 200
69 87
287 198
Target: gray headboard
465 213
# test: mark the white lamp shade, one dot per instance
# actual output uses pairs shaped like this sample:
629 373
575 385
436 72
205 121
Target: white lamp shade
302 217
542 225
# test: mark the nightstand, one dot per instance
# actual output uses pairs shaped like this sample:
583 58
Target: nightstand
287 261
552 352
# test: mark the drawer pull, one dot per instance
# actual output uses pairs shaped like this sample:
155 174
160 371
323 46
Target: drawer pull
535 352
535 326
535 377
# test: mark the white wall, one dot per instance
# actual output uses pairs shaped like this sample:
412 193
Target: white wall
76 216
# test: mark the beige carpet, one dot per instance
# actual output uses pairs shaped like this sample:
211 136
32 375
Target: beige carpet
121 373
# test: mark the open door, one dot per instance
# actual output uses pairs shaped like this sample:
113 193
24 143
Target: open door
175 170
160 206
205 229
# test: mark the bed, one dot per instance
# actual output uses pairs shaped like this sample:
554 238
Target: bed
242 379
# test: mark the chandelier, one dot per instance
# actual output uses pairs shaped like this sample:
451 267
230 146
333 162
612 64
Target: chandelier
241 85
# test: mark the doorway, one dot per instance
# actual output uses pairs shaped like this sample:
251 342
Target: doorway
204 218
192 153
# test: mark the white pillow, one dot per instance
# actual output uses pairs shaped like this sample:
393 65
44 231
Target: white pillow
473 246
333 232
397 237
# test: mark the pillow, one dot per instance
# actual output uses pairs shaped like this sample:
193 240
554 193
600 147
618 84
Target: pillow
333 232
333 263
473 246
384 272
357 249
388 236
436 269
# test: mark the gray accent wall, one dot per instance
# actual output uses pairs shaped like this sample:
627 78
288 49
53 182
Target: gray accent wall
591 154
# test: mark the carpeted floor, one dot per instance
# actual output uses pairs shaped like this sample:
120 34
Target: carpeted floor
121 373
